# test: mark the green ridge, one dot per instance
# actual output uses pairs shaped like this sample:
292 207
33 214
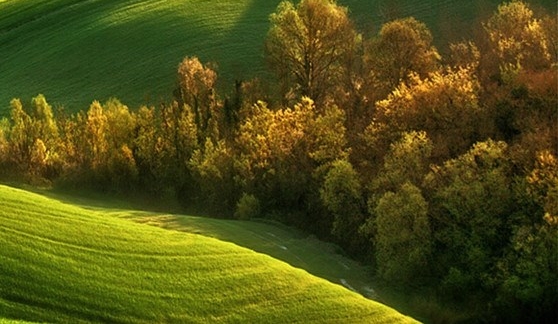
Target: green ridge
64 263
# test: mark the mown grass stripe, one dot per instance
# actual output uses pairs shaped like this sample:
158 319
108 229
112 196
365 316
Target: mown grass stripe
109 269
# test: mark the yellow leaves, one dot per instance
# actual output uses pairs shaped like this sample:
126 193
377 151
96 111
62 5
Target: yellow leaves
121 166
328 139
517 37
34 140
194 77
273 135
187 131
211 163
21 124
441 96
46 124
96 128
197 83
38 157
127 154
551 220
465 55
4 144
307 46
284 132
271 142
109 132
146 139
252 139
543 185
402 48
546 170
551 197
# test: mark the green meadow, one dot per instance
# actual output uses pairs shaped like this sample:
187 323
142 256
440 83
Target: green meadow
76 51
67 263
66 258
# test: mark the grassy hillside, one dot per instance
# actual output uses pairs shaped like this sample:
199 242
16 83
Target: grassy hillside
302 251
63 263
75 51
81 50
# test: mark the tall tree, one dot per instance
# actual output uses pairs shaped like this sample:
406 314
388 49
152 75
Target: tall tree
96 134
46 123
308 46
121 170
272 152
341 193
197 90
519 39
406 161
4 144
472 204
145 149
445 105
211 167
22 135
403 238
403 171
47 144
402 47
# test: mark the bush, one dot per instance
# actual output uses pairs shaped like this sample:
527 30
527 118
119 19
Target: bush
248 207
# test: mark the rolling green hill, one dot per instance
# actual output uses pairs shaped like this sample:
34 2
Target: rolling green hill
65 263
75 51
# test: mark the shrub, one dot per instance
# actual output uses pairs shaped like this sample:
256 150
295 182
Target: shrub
248 207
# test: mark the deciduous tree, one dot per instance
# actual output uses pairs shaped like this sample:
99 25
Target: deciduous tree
145 144
96 134
402 47
518 38
528 273
212 168
272 153
472 203
197 90
22 135
4 144
403 239
406 163
46 122
308 46
341 193
445 105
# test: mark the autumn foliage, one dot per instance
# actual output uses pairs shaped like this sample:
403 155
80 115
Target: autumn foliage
441 172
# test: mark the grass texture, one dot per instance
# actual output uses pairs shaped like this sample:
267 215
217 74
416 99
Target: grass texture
65 263
77 51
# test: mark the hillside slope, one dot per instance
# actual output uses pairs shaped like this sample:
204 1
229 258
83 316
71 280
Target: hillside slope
62 263
76 51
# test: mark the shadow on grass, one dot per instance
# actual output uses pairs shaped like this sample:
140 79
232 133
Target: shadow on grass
299 249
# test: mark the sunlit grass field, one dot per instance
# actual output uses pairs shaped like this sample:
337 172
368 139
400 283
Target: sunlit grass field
76 51
65 263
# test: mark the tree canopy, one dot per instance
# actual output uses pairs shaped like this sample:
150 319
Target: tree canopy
308 46
438 172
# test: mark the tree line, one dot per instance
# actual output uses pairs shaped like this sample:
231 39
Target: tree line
440 171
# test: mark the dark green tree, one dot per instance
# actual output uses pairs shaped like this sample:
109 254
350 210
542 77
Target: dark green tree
403 239
471 208
341 193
